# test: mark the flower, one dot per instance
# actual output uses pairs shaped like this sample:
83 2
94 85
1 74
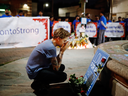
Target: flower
82 91
77 83
103 60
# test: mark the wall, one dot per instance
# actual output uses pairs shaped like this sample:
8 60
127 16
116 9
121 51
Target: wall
93 12
120 8
16 5
34 9
72 10
76 10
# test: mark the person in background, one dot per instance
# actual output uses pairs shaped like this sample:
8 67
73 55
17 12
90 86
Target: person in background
123 19
98 24
102 28
108 38
66 19
113 20
6 13
120 20
92 40
88 18
59 19
51 25
74 23
108 19
20 14
126 28
40 14
45 66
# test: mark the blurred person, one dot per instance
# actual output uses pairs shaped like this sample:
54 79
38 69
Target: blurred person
66 19
123 19
51 25
74 23
59 19
20 14
102 28
98 24
113 20
108 19
44 66
92 40
108 38
40 14
88 18
126 28
120 20
7 12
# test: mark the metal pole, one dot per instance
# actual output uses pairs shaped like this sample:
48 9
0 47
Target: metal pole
111 8
84 7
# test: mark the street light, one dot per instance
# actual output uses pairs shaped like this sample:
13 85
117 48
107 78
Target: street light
46 4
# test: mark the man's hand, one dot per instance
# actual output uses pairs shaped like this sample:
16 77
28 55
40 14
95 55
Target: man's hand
64 46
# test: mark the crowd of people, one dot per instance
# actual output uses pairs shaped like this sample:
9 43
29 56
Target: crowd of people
101 21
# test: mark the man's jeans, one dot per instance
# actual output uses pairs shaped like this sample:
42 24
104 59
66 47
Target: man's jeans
47 76
101 37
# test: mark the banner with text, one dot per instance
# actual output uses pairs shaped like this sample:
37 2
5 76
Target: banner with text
23 31
61 24
115 30
91 29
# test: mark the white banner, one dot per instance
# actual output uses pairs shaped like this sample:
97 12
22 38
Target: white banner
115 30
61 24
91 29
23 31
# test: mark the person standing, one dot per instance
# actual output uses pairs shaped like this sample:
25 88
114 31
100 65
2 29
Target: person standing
102 28
126 28
120 20
20 14
98 24
108 38
44 66
74 23
59 19
51 25
108 19
40 14
66 19
88 18
6 14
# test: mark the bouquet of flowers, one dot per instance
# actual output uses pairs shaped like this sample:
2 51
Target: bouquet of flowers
77 84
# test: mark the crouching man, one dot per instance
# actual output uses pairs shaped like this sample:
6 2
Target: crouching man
44 66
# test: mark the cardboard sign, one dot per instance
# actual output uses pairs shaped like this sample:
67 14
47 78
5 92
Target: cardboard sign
98 62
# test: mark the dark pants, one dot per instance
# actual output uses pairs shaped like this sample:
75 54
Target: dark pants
47 76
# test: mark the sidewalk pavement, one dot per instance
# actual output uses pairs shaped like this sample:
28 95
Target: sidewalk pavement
15 82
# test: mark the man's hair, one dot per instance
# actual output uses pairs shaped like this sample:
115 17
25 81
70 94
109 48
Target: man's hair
87 14
102 12
61 33
20 11
96 16
77 16
41 11
119 17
